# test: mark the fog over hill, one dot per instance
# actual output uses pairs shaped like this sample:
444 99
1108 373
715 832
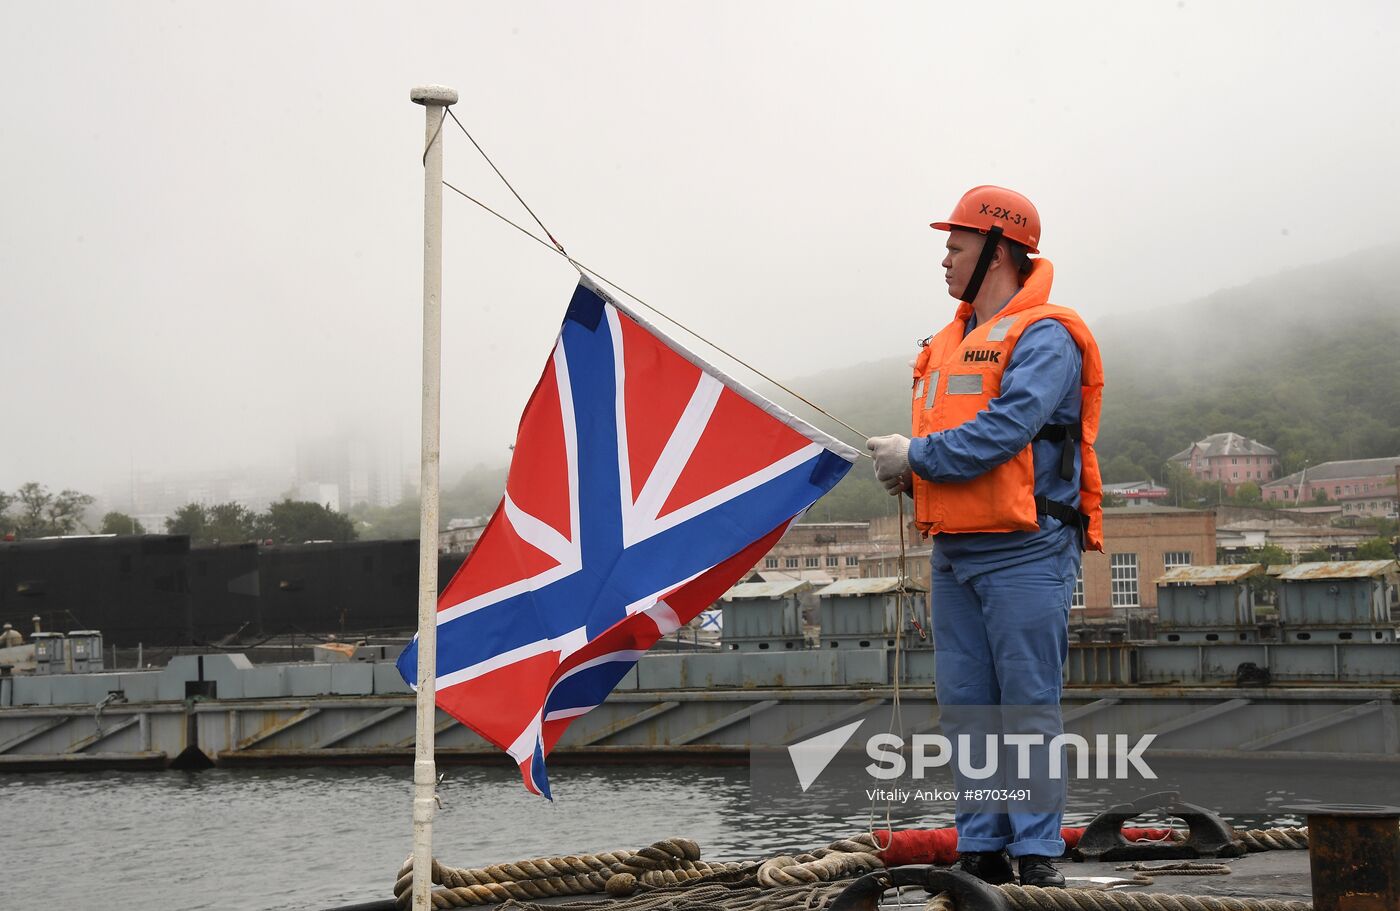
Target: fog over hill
1306 361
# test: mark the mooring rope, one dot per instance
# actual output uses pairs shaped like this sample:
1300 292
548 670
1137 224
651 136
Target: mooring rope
665 863
839 860
1176 868
670 874
1281 839
1034 898
710 897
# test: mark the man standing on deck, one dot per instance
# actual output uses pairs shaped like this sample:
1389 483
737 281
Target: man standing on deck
1003 475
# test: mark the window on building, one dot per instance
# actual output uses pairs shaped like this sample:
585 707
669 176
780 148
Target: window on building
853 561
770 563
1174 558
1078 599
831 560
1234 461
1123 573
1234 475
812 562
1337 491
790 563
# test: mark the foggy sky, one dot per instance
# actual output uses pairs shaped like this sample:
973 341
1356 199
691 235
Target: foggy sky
211 225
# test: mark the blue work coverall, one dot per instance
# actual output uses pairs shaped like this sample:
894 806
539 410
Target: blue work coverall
1001 600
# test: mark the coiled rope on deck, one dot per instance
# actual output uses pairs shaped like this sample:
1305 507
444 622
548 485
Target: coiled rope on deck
839 860
667 863
664 863
669 874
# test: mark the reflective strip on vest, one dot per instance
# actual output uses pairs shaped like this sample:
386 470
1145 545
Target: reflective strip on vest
965 384
999 330
932 388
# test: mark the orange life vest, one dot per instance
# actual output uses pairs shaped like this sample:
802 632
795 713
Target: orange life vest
956 378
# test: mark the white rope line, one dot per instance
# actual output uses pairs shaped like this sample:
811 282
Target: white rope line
436 134
518 197
554 246
607 281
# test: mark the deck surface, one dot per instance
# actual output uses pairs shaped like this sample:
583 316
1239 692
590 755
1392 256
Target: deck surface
1268 874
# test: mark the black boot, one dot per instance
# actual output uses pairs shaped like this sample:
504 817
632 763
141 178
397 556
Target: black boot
1040 871
989 866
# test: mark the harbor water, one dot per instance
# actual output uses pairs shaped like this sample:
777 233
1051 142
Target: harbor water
253 839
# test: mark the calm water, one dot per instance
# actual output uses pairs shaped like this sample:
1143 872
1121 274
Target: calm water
264 839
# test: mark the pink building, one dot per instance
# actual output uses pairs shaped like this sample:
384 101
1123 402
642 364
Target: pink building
1230 459
1363 487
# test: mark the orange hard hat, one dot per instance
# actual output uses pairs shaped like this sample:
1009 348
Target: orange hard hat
986 207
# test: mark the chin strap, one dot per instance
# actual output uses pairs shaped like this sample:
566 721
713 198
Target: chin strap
984 262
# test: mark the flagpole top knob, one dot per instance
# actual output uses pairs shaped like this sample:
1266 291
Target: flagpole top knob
433 94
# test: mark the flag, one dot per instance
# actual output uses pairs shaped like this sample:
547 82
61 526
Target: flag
643 484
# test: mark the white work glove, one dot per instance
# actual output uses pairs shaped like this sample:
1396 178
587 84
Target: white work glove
891 462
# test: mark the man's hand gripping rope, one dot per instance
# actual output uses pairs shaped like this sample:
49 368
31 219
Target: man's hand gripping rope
891 456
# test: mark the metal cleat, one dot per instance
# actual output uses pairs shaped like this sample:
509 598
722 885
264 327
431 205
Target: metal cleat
1209 835
969 893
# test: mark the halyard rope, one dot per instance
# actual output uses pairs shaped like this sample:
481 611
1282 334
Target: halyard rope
518 197
554 246
652 307
1033 898
896 714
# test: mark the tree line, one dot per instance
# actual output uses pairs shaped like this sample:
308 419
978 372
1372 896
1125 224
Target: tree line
286 522
35 511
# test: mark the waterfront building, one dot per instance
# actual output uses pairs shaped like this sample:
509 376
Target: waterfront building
461 535
1297 538
1362 487
821 551
1229 459
1138 493
1140 544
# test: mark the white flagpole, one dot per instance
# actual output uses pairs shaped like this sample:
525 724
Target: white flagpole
435 99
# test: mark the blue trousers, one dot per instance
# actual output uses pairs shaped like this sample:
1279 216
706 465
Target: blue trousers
1001 639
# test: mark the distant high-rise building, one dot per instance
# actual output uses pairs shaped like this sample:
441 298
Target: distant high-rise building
157 495
361 468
